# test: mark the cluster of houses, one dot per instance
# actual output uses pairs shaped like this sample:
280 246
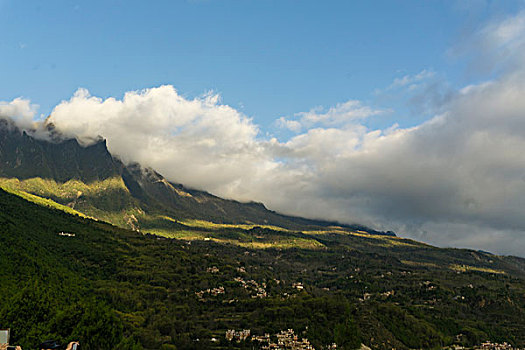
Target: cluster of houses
298 285
388 293
367 296
287 339
255 289
258 290
213 292
428 285
284 340
213 269
232 334
487 346
66 234
495 346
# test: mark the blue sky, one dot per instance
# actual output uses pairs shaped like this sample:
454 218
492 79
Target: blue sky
266 58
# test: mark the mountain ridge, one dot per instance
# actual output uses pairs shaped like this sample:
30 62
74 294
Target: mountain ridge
138 190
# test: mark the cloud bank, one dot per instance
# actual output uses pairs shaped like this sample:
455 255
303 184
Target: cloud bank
457 179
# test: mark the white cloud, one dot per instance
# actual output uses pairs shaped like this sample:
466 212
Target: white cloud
198 142
340 115
20 110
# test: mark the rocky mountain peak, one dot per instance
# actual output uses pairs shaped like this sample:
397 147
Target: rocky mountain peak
24 155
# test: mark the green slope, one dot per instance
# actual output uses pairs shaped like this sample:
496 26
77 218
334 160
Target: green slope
110 200
118 289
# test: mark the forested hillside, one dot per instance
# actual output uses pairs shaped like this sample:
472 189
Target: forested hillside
117 289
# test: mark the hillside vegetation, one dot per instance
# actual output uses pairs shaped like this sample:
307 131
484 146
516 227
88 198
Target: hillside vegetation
118 289
109 200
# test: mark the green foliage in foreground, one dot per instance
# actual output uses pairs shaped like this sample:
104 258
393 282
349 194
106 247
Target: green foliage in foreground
117 289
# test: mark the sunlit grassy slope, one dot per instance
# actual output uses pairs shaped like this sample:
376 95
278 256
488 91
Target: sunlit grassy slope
110 194
42 201
110 200
167 226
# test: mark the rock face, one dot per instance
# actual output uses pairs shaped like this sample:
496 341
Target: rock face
24 156
136 189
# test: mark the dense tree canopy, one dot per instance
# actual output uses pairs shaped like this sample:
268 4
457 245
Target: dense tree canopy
116 289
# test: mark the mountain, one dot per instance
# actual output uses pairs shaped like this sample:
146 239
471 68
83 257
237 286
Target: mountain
22 156
88 179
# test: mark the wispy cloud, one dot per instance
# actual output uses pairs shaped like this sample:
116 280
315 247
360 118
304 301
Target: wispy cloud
289 124
411 80
340 115
499 46
20 110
